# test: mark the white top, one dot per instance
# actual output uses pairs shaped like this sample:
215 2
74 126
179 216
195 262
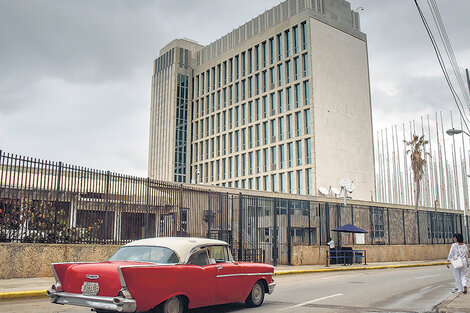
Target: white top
457 250
181 245
331 243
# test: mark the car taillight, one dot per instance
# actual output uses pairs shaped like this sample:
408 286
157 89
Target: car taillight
124 293
57 287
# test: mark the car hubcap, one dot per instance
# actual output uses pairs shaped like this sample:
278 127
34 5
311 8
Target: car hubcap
256 293
172 305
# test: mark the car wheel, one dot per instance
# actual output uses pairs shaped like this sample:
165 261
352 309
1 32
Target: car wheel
173 305
256 296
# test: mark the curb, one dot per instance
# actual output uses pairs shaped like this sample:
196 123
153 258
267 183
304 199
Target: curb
42 293
355 268
442 307
23 295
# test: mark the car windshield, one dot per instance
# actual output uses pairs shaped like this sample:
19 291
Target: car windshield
145 254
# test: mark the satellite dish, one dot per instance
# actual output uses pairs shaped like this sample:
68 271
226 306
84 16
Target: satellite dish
323 191
335 191
351 187
344 182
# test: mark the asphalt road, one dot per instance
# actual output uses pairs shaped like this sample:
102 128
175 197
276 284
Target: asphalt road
417 289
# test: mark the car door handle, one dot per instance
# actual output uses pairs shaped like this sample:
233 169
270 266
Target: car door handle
219 267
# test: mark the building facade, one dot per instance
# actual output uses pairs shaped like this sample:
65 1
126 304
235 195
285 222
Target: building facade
281 104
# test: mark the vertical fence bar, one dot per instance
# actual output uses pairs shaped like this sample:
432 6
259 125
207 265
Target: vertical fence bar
209 215
461 223
417 227
468 237
432 218
388 225
371 222
148 208
352 223
106 207
289 239
327 222
404 228
59 174
275 232
240 226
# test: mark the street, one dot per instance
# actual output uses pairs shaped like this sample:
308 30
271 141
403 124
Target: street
416 289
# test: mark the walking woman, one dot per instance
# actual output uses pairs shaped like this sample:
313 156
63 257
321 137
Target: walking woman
459 250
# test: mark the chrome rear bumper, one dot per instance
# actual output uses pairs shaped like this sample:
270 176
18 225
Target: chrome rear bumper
118 304
271 287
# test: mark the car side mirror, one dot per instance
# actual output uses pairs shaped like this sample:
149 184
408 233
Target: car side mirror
212 261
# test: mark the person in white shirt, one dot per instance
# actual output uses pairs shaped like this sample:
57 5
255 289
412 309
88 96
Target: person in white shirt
459 249
331 243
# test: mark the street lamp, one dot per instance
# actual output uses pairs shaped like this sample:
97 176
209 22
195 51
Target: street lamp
452 132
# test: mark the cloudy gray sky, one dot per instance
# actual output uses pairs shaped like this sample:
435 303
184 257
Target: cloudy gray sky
75 76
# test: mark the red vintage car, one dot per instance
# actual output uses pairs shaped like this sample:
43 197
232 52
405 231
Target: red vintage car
168 274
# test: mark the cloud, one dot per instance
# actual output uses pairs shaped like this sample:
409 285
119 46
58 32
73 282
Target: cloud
75 76
406 79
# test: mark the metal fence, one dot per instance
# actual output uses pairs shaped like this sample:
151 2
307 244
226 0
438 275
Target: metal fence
52 202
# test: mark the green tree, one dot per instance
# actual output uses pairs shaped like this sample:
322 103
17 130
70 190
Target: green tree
417 152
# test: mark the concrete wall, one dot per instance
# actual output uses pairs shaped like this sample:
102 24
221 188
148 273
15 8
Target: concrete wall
33 260
307 255
24 260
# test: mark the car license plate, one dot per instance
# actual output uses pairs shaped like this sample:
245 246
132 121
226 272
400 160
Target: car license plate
90 289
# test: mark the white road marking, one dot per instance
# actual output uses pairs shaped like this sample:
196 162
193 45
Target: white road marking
311 301
430 288
336 276
422 277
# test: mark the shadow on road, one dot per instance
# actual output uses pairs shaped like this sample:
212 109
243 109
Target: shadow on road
223 308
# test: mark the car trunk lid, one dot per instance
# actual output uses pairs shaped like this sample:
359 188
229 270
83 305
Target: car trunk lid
101 278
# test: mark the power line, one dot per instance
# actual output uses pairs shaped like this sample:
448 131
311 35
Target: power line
443 68
448 47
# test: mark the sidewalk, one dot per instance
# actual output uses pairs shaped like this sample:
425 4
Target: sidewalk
21 288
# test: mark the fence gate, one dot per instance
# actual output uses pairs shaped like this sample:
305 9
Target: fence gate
218 217
167 225
247 228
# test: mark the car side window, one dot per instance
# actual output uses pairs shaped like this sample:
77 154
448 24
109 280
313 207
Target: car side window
199 257
219 254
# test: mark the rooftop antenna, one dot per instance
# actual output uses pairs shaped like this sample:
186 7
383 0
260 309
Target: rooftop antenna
347 185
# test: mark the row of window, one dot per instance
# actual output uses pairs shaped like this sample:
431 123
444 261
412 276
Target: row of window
284 73
289 155
283 45
261 134
295 182
271 104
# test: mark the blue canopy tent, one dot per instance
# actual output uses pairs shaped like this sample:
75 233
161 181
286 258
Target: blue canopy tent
348 228
346 254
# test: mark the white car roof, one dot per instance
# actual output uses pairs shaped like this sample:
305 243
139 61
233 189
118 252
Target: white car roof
181 245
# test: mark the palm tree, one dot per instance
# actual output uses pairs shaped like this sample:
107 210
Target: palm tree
418 154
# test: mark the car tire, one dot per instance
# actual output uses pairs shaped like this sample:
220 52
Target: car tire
256 296
173 305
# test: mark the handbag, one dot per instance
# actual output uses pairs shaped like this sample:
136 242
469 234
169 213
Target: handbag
457 262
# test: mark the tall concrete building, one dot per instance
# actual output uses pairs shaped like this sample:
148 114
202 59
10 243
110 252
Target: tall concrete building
282 103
